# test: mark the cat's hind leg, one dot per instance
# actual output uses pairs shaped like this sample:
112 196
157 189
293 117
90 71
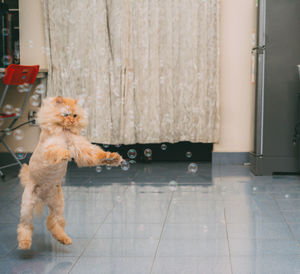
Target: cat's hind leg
56 221
25 228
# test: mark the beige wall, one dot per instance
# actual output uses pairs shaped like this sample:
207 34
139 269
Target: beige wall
32 40
238 22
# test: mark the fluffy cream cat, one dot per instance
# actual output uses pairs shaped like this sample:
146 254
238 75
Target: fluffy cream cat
60 120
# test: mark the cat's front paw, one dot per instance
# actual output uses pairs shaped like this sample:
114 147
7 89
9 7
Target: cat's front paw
113 159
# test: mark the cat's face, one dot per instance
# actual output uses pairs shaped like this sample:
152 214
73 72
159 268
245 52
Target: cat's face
68 112
62 112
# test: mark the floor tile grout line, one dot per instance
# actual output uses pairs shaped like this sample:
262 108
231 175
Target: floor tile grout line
162 230
7 254
227 236
93 236
288 225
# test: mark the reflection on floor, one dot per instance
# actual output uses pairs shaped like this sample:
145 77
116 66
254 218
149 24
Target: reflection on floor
221 219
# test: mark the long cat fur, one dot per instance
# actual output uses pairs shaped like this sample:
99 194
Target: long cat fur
61 120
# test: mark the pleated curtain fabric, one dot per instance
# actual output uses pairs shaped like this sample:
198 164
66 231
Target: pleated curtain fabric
146 71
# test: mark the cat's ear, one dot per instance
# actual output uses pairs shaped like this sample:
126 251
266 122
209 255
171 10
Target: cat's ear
59 100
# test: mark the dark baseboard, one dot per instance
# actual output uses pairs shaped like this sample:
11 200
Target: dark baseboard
230 158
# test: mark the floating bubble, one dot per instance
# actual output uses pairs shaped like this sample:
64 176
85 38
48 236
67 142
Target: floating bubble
8 109
108 167
148 152
20 88
286 196
98 169
131 153
117 145
132 162
106 146
26 87
163 147
254 188
40 89
18 134
7 132
18 111
188 154
125 165
192 168
173 185
6 60
35 100
5 32
20 154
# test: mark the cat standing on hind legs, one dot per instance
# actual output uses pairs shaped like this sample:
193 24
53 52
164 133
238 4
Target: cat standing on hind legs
61 120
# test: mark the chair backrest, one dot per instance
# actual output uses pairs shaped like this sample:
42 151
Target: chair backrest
19 75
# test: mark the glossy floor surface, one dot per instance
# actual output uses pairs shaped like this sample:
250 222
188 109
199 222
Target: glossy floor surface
221 219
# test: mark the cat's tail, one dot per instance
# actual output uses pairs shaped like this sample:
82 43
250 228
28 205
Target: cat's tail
24 175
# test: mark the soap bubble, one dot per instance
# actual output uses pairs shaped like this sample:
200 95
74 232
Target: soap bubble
192 168
131 153
148 152
18 134
188 154
118 145
26 87
125 165
20 88
106 146
254 188
6 60
108 167
5 32
163 147
98 169
40 89
7 132
173 185
17 111
8 109
286 196
35 100
19 152
132 162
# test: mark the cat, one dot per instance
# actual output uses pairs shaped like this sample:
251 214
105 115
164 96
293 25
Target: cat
61 121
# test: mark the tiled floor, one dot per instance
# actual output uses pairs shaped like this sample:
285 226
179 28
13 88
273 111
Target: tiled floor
220 220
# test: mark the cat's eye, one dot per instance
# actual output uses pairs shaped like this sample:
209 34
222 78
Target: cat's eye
74 115
65 114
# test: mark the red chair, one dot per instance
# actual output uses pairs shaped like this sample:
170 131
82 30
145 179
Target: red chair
15 75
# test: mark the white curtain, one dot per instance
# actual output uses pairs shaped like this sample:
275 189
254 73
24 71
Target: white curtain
146 71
